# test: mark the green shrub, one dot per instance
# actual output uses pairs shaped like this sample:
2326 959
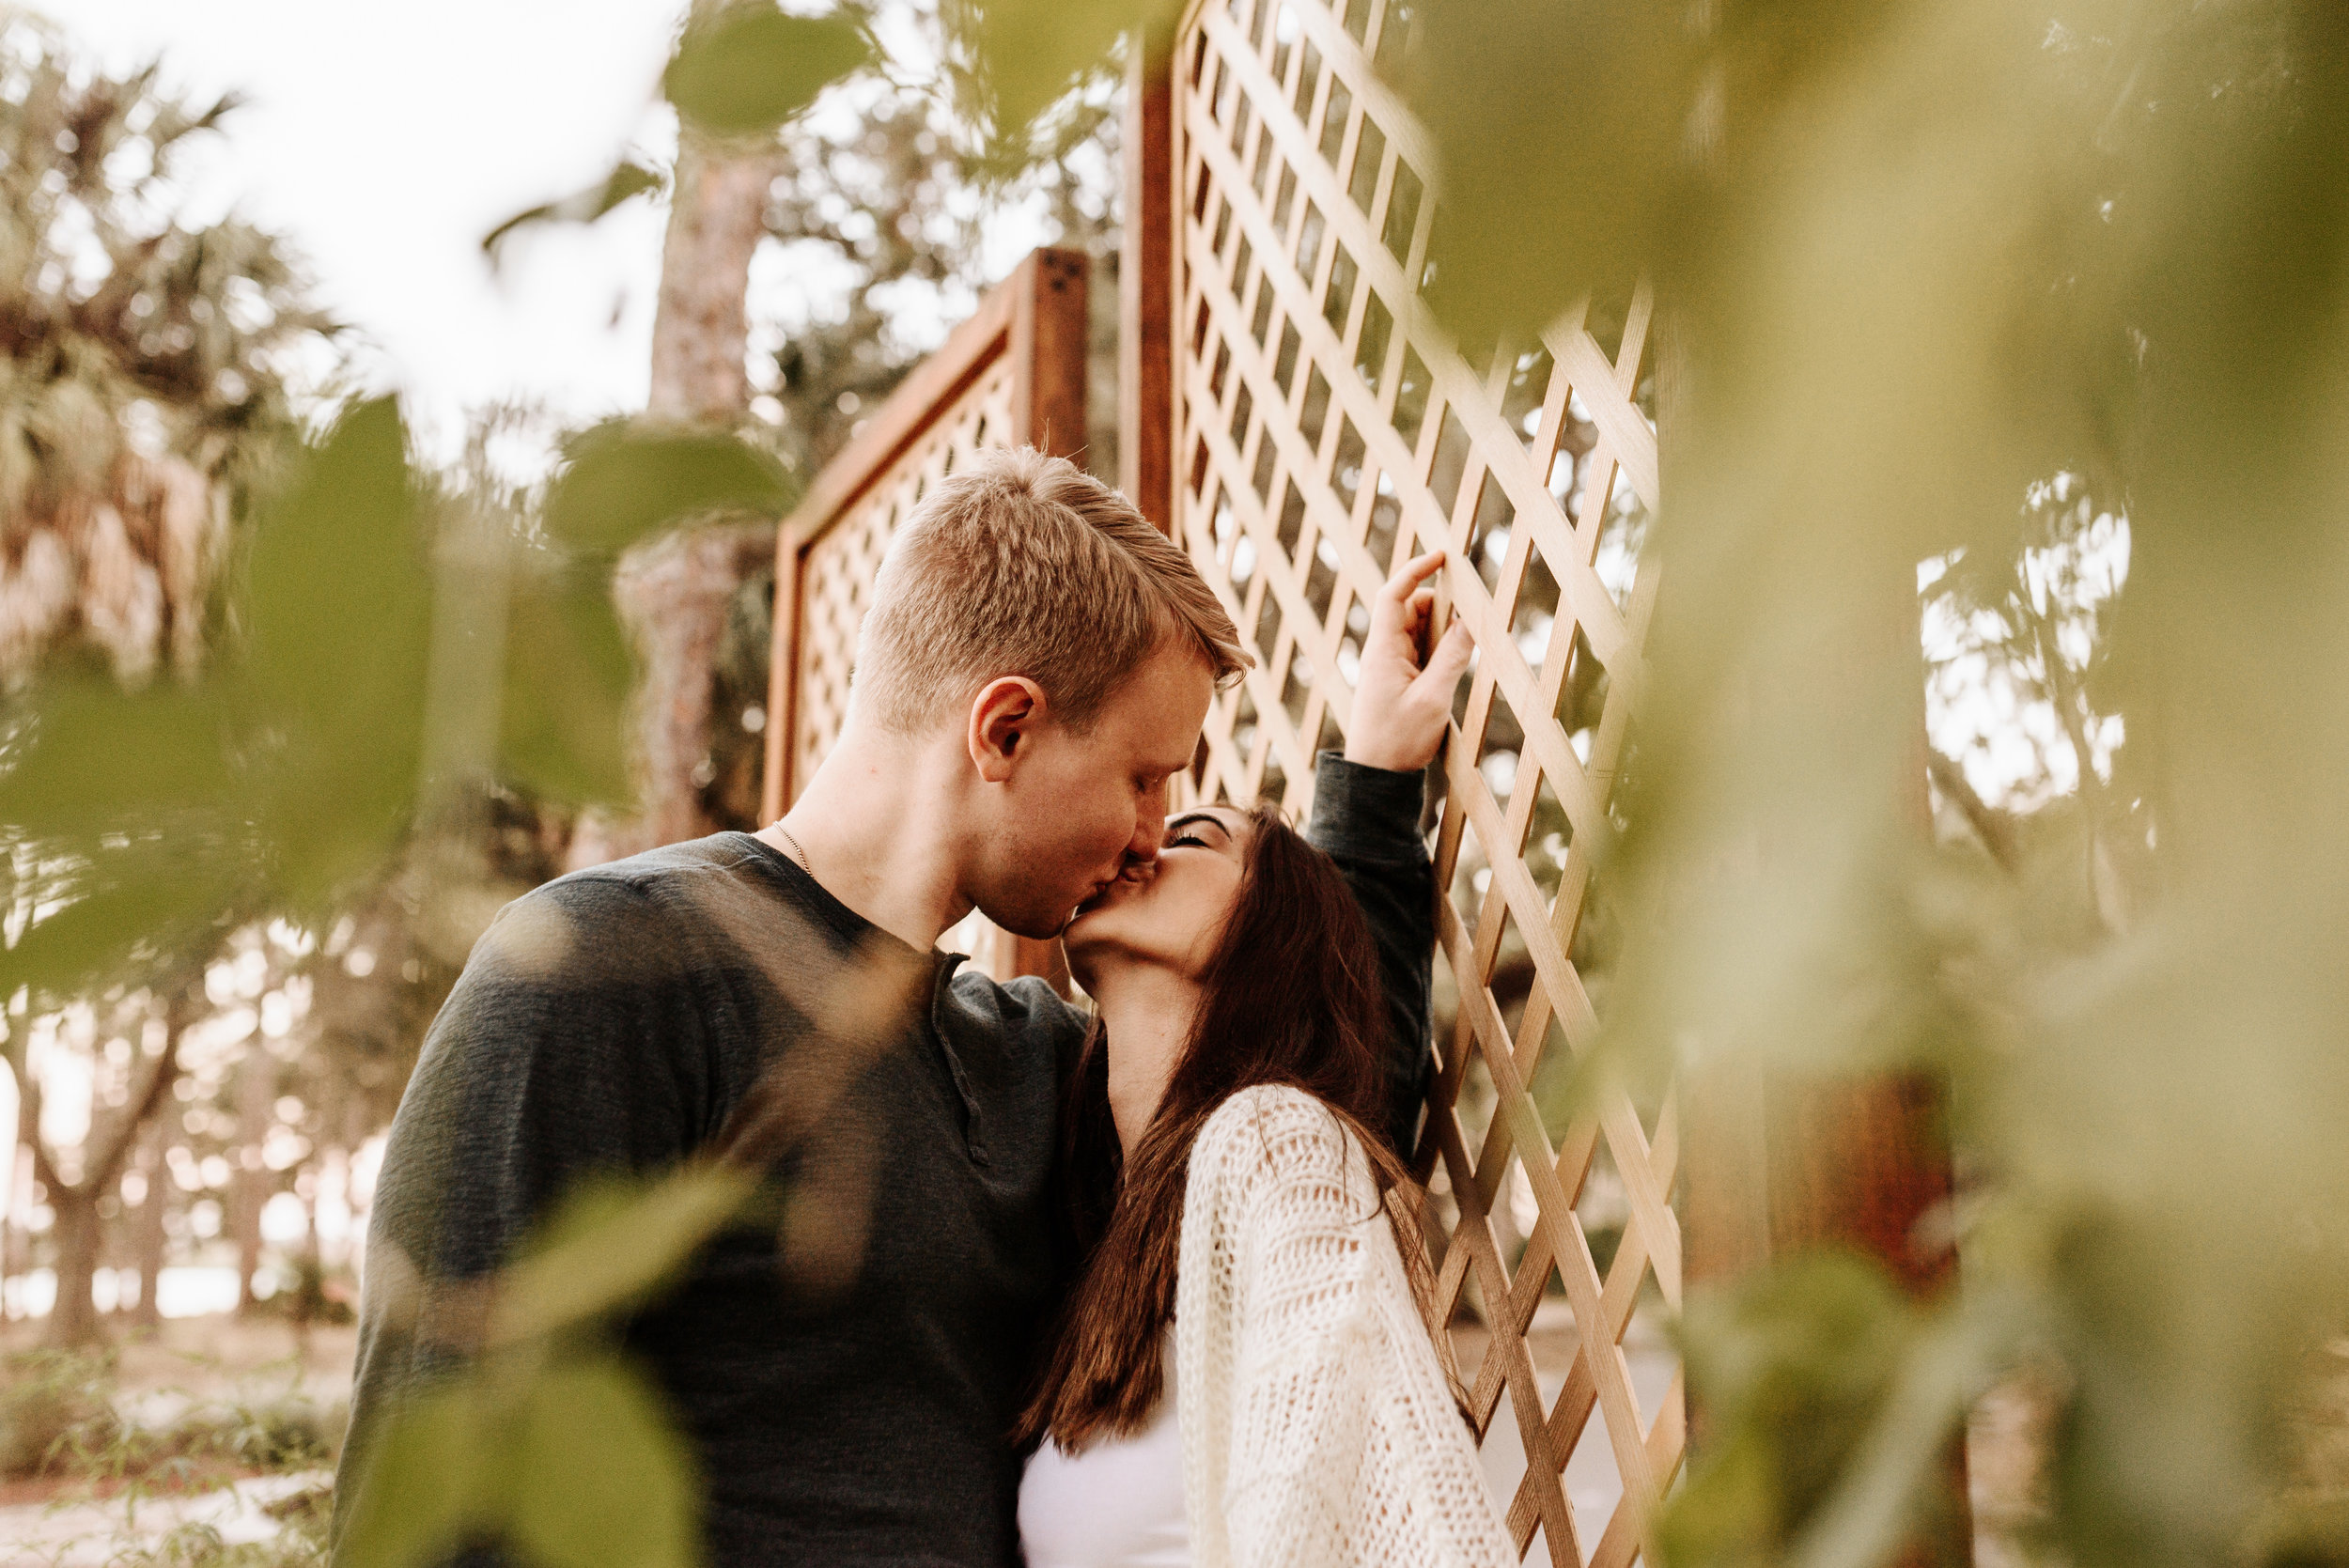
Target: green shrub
56 1411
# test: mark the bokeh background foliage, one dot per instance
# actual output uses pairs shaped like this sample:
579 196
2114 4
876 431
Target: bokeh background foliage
1924 264
1919 259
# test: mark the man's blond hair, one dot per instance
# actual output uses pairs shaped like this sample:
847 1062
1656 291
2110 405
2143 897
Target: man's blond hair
1024 565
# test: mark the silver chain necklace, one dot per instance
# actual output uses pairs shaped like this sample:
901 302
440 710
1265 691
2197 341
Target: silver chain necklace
796 850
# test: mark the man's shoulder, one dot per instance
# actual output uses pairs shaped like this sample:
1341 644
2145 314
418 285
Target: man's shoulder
638 916
648 876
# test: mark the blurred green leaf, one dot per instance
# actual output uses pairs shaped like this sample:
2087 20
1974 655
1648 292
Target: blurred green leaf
173 887
608 1247
623 483
275 782
70 772
602 1477
627 181
566 682
1563 132
339 604
430 1481
1027 54
1812 1347
338 564
752 67
1890 1485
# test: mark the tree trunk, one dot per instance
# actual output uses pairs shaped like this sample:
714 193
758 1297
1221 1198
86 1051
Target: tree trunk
701 327
13 1249
256 1078
74 1321
675 594
146 1228
73 1317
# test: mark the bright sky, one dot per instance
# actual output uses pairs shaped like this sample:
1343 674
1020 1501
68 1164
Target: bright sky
384 140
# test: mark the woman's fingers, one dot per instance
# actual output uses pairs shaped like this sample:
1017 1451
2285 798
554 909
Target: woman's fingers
1450 660
1403 698
1405 602
1400 589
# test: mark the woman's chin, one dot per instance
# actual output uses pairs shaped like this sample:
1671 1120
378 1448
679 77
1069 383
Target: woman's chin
1079 946
1076 935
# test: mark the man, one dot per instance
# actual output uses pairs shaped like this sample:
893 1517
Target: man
1034 670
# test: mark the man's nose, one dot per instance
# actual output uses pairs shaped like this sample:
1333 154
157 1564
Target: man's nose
1149 837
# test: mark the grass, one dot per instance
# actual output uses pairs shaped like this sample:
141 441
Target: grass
76 1441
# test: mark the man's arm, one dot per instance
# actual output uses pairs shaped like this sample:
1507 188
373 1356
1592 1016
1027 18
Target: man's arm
1366 810
570 1050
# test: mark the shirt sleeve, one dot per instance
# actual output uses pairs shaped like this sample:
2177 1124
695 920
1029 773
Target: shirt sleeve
1367 819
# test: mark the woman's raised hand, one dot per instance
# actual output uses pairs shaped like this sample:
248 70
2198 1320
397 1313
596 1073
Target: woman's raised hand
1404 698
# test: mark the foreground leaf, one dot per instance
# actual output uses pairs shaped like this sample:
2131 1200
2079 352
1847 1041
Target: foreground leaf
173 887
562 719
627 180
71 775
1029 53
1562 131
752 67
623 484
605 1250
340 608
603 1478
428 1483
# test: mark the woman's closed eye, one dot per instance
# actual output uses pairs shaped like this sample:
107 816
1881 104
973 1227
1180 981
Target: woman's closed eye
1191 839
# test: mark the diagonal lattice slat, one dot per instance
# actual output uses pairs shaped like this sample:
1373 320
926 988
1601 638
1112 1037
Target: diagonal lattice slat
1326 427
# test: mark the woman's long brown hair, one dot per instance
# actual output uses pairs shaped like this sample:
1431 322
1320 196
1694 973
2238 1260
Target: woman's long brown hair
1290 996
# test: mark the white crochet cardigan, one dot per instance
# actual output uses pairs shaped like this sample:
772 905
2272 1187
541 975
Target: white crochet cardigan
1317 1425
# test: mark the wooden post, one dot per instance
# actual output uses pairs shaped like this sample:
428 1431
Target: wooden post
1049 331
1145 286
1051 326
1780 1165
783 681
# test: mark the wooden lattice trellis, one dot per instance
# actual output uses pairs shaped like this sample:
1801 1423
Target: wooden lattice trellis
1012 375
1292 416
1325 429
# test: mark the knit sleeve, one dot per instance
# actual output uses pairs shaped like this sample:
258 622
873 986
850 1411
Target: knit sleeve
1317 1424
1275 1301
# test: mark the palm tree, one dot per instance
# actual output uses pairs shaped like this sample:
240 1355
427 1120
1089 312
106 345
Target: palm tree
145 386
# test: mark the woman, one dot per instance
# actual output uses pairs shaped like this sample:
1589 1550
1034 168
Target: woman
1242 1373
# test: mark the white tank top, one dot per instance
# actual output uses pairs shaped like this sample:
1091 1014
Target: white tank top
1118 1504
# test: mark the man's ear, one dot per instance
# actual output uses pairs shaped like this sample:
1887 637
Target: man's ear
1004 717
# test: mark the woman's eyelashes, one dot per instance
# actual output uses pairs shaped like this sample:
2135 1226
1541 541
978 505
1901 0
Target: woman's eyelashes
1193 840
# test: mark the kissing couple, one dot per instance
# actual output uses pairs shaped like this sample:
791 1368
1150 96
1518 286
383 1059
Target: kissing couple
1132 1284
